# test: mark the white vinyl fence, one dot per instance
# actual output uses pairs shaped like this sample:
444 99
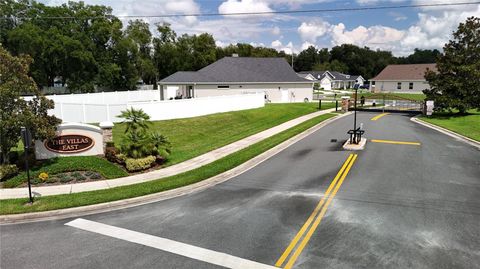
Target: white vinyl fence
121 97
96 111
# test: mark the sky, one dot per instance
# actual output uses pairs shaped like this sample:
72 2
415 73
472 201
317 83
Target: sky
396 30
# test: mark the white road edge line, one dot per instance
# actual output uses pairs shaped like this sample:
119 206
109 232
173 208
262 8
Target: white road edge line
168 245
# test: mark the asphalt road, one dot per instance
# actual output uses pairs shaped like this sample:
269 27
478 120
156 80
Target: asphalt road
400 206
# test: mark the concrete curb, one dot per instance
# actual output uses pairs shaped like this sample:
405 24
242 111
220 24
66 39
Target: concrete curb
187 165
151 198
445 131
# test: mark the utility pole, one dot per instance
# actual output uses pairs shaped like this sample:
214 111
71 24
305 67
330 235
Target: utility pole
292 59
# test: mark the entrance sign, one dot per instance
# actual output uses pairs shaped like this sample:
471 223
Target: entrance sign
72 139
69 143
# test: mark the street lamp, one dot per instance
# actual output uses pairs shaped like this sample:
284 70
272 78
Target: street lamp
27 141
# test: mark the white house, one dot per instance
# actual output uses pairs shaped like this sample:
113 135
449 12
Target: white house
333 80
402 78
237 75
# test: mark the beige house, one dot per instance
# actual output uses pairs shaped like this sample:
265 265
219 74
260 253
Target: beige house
273 77
402 78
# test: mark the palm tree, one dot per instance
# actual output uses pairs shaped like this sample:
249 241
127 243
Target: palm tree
136 120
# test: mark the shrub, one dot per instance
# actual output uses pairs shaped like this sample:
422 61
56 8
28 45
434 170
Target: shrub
78 176
140 163
110 144
43 176
64 178
52 179
7 171
121 158
161 145
111 154
92 175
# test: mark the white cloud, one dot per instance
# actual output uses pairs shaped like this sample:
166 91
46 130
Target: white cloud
288 49
310 31
307 44
243 6
276 44
276 30
221 44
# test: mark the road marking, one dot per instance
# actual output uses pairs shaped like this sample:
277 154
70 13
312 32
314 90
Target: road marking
197 253
379 116
318 220
310 219
395 142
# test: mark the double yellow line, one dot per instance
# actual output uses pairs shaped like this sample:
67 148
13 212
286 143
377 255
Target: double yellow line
379 116
316 216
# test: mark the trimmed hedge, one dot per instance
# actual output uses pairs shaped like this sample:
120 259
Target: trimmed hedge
139 164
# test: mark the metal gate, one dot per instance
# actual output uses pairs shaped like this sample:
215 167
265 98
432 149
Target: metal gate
388 103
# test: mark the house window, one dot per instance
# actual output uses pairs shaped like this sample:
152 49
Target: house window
410 86
399 86
373 83
223 87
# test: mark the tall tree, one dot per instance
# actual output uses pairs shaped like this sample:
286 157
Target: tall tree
306 59
139 32
165 56
420 56
15 112
456 85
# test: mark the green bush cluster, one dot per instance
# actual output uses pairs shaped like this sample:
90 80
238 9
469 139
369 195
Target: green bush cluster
139 163
7 171
139 147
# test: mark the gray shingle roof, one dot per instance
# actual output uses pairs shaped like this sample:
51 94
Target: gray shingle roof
239 69
337 76
319 75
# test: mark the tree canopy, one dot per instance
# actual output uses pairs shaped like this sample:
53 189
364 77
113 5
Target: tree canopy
91 48
16 112
456 85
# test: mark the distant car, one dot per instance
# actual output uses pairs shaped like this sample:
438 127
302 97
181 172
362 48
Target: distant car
365 86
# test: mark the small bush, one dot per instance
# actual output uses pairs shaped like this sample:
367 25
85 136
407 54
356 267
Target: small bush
7 171
121 158
139 164
110 144
78 176
111 154
92 175
52 179
43 176
35 181
64 178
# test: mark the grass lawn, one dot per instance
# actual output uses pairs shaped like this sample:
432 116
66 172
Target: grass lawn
467 125
69 164
192 137
15 206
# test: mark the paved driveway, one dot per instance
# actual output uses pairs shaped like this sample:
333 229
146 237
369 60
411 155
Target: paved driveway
397 206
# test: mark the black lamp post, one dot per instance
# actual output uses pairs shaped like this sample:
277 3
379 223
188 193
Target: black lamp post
27 141
355 117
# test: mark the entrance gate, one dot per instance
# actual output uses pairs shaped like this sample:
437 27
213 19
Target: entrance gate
388 103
